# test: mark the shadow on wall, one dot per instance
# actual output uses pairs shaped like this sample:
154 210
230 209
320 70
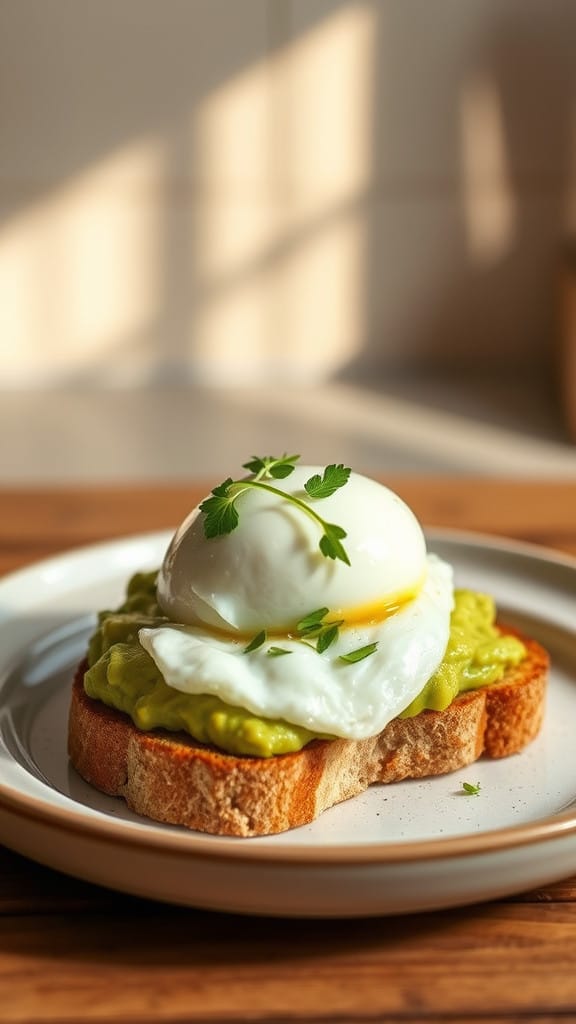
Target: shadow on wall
282 190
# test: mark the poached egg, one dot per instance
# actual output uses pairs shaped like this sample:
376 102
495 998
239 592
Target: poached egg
268 574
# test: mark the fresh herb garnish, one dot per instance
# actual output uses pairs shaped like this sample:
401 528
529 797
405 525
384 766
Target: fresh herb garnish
221 514
332 479
313 626
312 622
257 642
327 637
268 465
359 654
470 789
330 545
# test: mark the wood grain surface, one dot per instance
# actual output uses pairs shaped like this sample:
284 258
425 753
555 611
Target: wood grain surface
70 951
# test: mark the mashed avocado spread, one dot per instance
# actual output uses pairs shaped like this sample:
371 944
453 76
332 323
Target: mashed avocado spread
121 674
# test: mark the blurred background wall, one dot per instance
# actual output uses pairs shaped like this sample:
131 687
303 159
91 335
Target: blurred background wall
236 192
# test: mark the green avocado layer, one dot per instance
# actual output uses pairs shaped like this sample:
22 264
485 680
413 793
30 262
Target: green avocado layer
477 654
122 675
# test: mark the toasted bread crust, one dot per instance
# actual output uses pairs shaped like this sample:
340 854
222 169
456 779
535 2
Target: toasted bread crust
171 778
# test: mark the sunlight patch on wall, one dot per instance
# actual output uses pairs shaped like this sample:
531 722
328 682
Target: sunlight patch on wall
322 298
80 270
230 240
489 204
329 81
229 245
229 143
229 336
280 281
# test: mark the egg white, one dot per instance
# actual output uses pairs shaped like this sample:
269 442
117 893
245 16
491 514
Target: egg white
317 691
269 571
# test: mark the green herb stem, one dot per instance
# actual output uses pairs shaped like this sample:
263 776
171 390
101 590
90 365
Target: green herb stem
242 484
221 514
238 487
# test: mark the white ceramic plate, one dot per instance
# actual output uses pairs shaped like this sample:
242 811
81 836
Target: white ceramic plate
411 846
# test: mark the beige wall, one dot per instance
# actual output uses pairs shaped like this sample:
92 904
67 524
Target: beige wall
238 190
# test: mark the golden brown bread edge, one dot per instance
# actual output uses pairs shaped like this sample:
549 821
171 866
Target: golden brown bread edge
171 778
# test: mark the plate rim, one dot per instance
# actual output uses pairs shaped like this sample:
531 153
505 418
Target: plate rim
197 846
158 840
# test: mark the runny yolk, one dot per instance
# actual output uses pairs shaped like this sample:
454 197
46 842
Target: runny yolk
360 615
375 611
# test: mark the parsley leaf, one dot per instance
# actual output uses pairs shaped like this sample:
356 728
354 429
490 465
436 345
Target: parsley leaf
269 465
312 621
313 626
330 545
257 642
331 480
359 654
327 637
470 789
219 510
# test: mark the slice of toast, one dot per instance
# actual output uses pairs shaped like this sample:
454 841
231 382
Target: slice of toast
171 778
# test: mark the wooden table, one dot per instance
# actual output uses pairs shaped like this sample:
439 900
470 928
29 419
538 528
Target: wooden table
72 952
